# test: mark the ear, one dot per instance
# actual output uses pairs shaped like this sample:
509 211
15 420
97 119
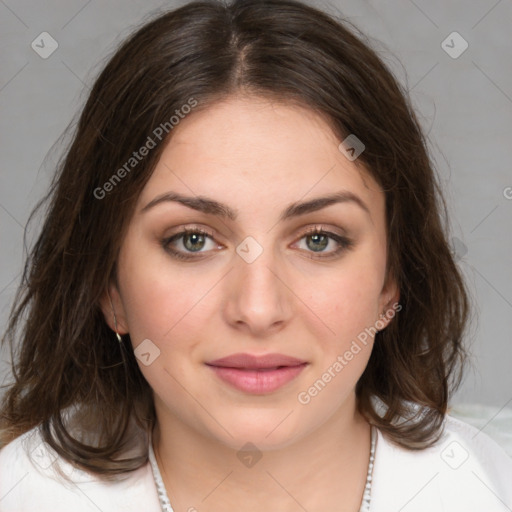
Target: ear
110 303
389 301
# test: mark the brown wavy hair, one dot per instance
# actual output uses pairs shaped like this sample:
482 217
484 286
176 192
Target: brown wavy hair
70 375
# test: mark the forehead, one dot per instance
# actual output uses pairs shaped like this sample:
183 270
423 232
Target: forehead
247 150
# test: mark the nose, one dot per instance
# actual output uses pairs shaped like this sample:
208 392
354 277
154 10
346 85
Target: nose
258 299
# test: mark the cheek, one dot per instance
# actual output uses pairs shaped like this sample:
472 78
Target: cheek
347 304
159 309
159 299
348 301
163 307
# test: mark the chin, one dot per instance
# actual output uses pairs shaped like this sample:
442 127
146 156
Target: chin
267 430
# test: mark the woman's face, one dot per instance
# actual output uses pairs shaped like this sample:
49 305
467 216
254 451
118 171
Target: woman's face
259 282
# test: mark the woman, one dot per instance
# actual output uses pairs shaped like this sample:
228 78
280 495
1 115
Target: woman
242 296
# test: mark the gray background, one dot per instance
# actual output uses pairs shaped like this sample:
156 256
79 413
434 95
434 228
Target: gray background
464 103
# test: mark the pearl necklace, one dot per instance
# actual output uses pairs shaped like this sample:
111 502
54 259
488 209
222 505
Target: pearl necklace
165 504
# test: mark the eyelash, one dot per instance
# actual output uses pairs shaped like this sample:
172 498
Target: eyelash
343 242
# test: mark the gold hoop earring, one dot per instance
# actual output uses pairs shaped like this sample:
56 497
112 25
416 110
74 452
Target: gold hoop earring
115 319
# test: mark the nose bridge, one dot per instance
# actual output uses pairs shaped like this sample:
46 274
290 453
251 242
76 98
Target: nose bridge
258 277
257 297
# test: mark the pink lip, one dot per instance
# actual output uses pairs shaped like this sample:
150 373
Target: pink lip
257 374
250 362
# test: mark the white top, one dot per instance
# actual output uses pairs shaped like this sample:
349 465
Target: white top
465 471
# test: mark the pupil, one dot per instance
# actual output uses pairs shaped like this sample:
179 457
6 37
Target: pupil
197 242
322 239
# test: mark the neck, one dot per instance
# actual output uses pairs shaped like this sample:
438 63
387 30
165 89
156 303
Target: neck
324 470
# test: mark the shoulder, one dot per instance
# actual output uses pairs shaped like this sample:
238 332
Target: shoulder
464 471
34 477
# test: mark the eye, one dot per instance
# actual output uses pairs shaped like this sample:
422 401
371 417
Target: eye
319 241
184 244
190 243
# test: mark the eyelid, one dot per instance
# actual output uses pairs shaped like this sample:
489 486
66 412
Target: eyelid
191 228
317 228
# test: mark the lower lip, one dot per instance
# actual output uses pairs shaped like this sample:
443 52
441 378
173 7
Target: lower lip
258 381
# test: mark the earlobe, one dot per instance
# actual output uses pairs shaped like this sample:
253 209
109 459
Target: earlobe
390 299
390 292
113 310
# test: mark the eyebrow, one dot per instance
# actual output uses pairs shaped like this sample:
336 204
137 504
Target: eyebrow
212 207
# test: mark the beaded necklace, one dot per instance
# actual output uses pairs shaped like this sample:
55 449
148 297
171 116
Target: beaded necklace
165 504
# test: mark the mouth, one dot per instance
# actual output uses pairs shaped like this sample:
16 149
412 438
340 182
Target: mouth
256 362
257 374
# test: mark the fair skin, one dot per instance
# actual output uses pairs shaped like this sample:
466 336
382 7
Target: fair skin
257 157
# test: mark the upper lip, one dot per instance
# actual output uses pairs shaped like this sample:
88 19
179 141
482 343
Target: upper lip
251 362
